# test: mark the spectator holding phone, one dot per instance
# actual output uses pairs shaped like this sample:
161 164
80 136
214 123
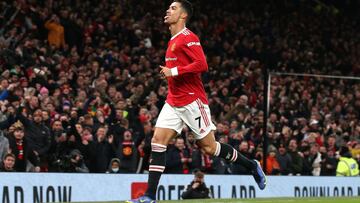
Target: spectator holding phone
197 188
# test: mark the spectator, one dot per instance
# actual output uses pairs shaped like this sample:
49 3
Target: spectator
32 104
240 107
272 165
197 188
7 164
115 166
355 150
331 144
329 162
284 160
77 163
4 145
127 153
72 30
22 150
347 166
37 135
297 161
100 151
56 35
59 147
178 159
307 160
316 159
5 122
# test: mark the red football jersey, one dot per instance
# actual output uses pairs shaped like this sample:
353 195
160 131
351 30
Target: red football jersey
187 61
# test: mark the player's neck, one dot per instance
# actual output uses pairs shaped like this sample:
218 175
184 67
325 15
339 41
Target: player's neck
176 28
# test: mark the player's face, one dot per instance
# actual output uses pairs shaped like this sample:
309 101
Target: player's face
173 14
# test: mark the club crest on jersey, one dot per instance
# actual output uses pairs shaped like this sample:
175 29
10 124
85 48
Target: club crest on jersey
173 47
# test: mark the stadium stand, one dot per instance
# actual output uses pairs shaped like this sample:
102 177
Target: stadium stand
83 75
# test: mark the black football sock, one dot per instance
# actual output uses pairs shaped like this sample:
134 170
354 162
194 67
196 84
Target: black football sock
156 168
228 153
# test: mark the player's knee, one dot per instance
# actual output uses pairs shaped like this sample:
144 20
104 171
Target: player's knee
158 139
155 139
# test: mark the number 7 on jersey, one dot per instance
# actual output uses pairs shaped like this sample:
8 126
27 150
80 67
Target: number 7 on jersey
199 118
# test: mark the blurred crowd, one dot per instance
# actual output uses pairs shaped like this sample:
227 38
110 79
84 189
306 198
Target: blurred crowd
80 89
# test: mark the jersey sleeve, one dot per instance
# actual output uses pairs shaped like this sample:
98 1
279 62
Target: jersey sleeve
194 51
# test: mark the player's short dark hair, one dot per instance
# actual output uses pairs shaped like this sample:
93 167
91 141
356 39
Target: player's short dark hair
187 6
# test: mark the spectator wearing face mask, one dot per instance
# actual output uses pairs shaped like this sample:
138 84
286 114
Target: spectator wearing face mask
115 166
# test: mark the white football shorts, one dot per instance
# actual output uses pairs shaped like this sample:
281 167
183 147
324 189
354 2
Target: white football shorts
195 115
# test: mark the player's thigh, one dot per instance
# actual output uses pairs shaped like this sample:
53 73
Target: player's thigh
168 124
198 118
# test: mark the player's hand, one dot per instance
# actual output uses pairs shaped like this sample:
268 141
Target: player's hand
165 71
